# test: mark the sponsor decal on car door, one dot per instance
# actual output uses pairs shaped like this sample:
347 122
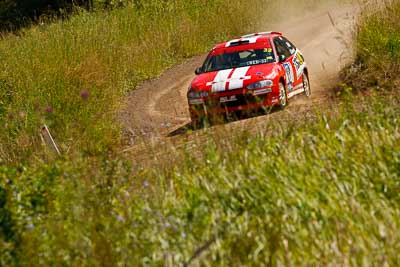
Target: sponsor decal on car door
298 62
297 68
294 68
289 75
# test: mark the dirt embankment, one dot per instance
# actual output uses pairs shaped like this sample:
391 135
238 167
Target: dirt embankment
158 108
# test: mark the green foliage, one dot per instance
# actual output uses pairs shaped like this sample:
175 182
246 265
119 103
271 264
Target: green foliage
315 196
72 74
377 47
378 37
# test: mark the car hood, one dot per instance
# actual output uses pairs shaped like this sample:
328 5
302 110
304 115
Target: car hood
232 79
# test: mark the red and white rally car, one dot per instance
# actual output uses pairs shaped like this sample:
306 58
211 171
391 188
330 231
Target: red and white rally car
254 71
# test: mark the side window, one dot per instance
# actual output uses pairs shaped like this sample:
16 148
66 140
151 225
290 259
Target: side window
289 45
209 63
281 48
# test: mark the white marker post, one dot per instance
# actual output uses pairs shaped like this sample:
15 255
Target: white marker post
48 139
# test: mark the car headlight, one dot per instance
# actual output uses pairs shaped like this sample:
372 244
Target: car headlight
197 94
260 84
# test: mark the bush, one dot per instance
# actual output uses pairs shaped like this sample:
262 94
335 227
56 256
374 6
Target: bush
377 48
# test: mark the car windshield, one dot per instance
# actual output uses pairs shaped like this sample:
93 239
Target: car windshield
239 59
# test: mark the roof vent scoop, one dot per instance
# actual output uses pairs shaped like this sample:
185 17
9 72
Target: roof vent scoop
240 42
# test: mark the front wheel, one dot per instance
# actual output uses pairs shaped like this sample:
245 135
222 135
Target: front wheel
282 96
306 85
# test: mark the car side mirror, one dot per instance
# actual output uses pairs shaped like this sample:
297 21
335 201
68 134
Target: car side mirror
282 58
198 71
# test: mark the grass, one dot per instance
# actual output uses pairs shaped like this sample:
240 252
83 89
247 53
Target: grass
291 198
72 75
308 193
377 48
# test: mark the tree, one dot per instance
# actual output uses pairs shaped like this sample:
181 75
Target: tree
18 13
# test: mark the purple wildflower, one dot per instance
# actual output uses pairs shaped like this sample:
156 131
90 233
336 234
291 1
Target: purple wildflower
85 94
30 226
48 109
120 218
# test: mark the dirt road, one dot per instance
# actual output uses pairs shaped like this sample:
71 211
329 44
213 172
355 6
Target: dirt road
158 108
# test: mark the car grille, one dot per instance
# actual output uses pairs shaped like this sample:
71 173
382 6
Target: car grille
242 100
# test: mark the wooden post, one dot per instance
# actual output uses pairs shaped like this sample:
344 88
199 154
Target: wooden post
49 141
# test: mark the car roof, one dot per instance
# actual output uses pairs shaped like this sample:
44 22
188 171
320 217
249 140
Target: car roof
253 38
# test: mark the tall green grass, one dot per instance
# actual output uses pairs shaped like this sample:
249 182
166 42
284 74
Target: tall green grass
377 47
72 74
316 194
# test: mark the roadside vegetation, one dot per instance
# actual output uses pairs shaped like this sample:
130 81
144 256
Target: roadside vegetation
72 74
377 46
320 192
309 194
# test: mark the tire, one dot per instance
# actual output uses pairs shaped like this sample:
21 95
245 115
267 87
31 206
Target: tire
283 100
306 85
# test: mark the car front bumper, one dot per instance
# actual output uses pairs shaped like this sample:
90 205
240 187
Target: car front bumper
231 101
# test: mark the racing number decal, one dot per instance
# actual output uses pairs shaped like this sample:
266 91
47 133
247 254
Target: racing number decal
269 53
289 75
